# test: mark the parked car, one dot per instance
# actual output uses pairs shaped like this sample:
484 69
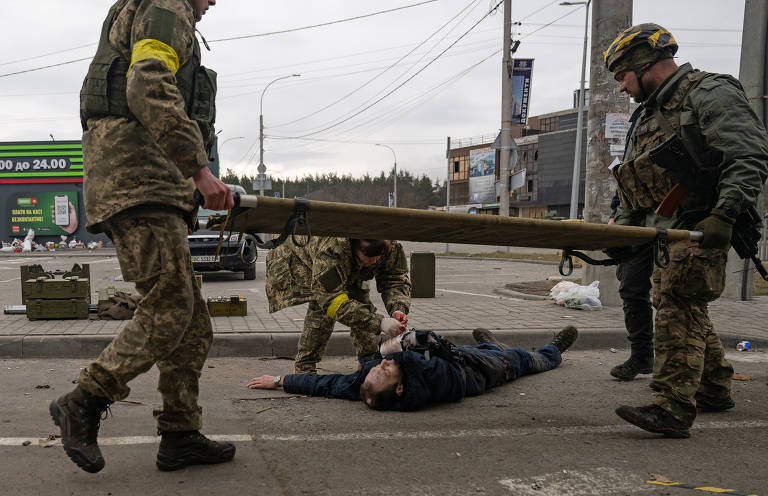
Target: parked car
236 254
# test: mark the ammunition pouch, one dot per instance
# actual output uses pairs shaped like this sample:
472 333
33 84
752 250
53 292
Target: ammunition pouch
643 183
203 107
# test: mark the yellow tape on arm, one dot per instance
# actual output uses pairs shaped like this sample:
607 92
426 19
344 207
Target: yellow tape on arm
336 304
153 49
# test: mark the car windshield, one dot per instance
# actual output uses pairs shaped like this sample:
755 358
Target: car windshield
205 213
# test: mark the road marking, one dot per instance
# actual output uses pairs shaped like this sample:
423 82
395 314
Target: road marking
495 297
366 436
10 280
695 487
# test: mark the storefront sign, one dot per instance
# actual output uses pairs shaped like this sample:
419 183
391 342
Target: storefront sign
47 213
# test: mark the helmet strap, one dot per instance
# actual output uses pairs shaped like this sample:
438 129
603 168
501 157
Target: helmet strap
639 72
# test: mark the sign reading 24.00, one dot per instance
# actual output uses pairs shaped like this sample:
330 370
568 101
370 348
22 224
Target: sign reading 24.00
25 164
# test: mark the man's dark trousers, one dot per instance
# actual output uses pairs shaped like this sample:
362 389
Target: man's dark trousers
634 275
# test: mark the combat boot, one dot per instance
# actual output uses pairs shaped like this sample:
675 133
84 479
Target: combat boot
628 370
182 448
653 418
565 338
78 414
484 336
707 405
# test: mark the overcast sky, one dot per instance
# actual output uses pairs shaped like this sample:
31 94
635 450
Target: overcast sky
446 99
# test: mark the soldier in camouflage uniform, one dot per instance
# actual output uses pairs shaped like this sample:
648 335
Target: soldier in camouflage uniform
147 111
332 274
711 113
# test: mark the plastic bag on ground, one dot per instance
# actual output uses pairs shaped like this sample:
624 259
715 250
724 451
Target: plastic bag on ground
560 289
580 297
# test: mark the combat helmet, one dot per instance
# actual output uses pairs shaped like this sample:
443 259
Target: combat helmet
637 46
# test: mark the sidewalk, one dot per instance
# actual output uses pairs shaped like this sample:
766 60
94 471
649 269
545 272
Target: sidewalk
468 296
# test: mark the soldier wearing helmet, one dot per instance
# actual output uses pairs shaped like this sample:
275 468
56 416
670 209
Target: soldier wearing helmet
710 114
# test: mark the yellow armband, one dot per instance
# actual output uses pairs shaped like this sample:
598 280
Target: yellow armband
336 304
154 49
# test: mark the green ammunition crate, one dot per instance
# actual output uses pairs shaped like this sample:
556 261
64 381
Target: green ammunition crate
57 289
422 275
36 270
228 308
73 308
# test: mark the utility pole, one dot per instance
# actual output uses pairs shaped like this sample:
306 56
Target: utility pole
609 18
740 283
576 181
506 111
448 182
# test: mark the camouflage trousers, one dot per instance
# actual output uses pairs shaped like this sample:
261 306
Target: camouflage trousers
689 356
170 327
317 331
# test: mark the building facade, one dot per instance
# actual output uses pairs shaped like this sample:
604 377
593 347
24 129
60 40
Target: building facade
545 149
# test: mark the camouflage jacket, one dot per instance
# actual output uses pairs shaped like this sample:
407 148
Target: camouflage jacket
148 156
327 272
711 112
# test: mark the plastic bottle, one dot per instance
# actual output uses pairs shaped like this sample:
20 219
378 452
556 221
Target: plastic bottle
743 346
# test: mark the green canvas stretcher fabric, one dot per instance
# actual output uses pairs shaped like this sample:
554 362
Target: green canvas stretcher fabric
269 215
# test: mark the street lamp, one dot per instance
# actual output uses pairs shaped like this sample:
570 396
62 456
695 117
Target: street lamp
580 119
395 156
221 146
262 168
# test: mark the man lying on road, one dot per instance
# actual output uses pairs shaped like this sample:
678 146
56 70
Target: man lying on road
423 368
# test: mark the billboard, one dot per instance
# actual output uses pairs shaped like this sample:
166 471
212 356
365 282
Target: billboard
48 213
482 176
40 161
522 70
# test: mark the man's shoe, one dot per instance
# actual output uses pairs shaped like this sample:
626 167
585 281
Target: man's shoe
179 449
628 370
565 338
653 418
484 336
706 405
78 414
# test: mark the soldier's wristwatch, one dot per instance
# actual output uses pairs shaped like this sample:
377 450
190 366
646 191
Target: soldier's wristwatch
277 380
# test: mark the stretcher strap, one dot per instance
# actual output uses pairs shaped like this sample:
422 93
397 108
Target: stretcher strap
567 260
660 255
300 217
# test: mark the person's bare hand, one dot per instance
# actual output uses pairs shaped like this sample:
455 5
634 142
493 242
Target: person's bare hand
216 194
400 317
264 382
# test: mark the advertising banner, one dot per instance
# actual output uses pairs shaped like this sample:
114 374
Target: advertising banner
522 70
39 161
482 176
47 213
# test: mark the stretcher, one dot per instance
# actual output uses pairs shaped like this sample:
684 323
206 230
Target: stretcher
300 217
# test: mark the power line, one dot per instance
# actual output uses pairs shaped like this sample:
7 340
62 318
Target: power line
470 4
407 80
322 24
45 67
47 54
220 39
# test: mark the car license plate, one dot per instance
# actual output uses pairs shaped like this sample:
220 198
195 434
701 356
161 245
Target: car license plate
204 258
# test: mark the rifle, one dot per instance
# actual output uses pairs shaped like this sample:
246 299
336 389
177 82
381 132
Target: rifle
677 157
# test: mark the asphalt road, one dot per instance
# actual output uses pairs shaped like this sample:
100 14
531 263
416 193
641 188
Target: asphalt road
544 435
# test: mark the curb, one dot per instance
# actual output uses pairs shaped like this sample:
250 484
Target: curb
284 344
70 252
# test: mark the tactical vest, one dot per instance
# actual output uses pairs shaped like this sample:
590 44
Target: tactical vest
104 88
642 183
